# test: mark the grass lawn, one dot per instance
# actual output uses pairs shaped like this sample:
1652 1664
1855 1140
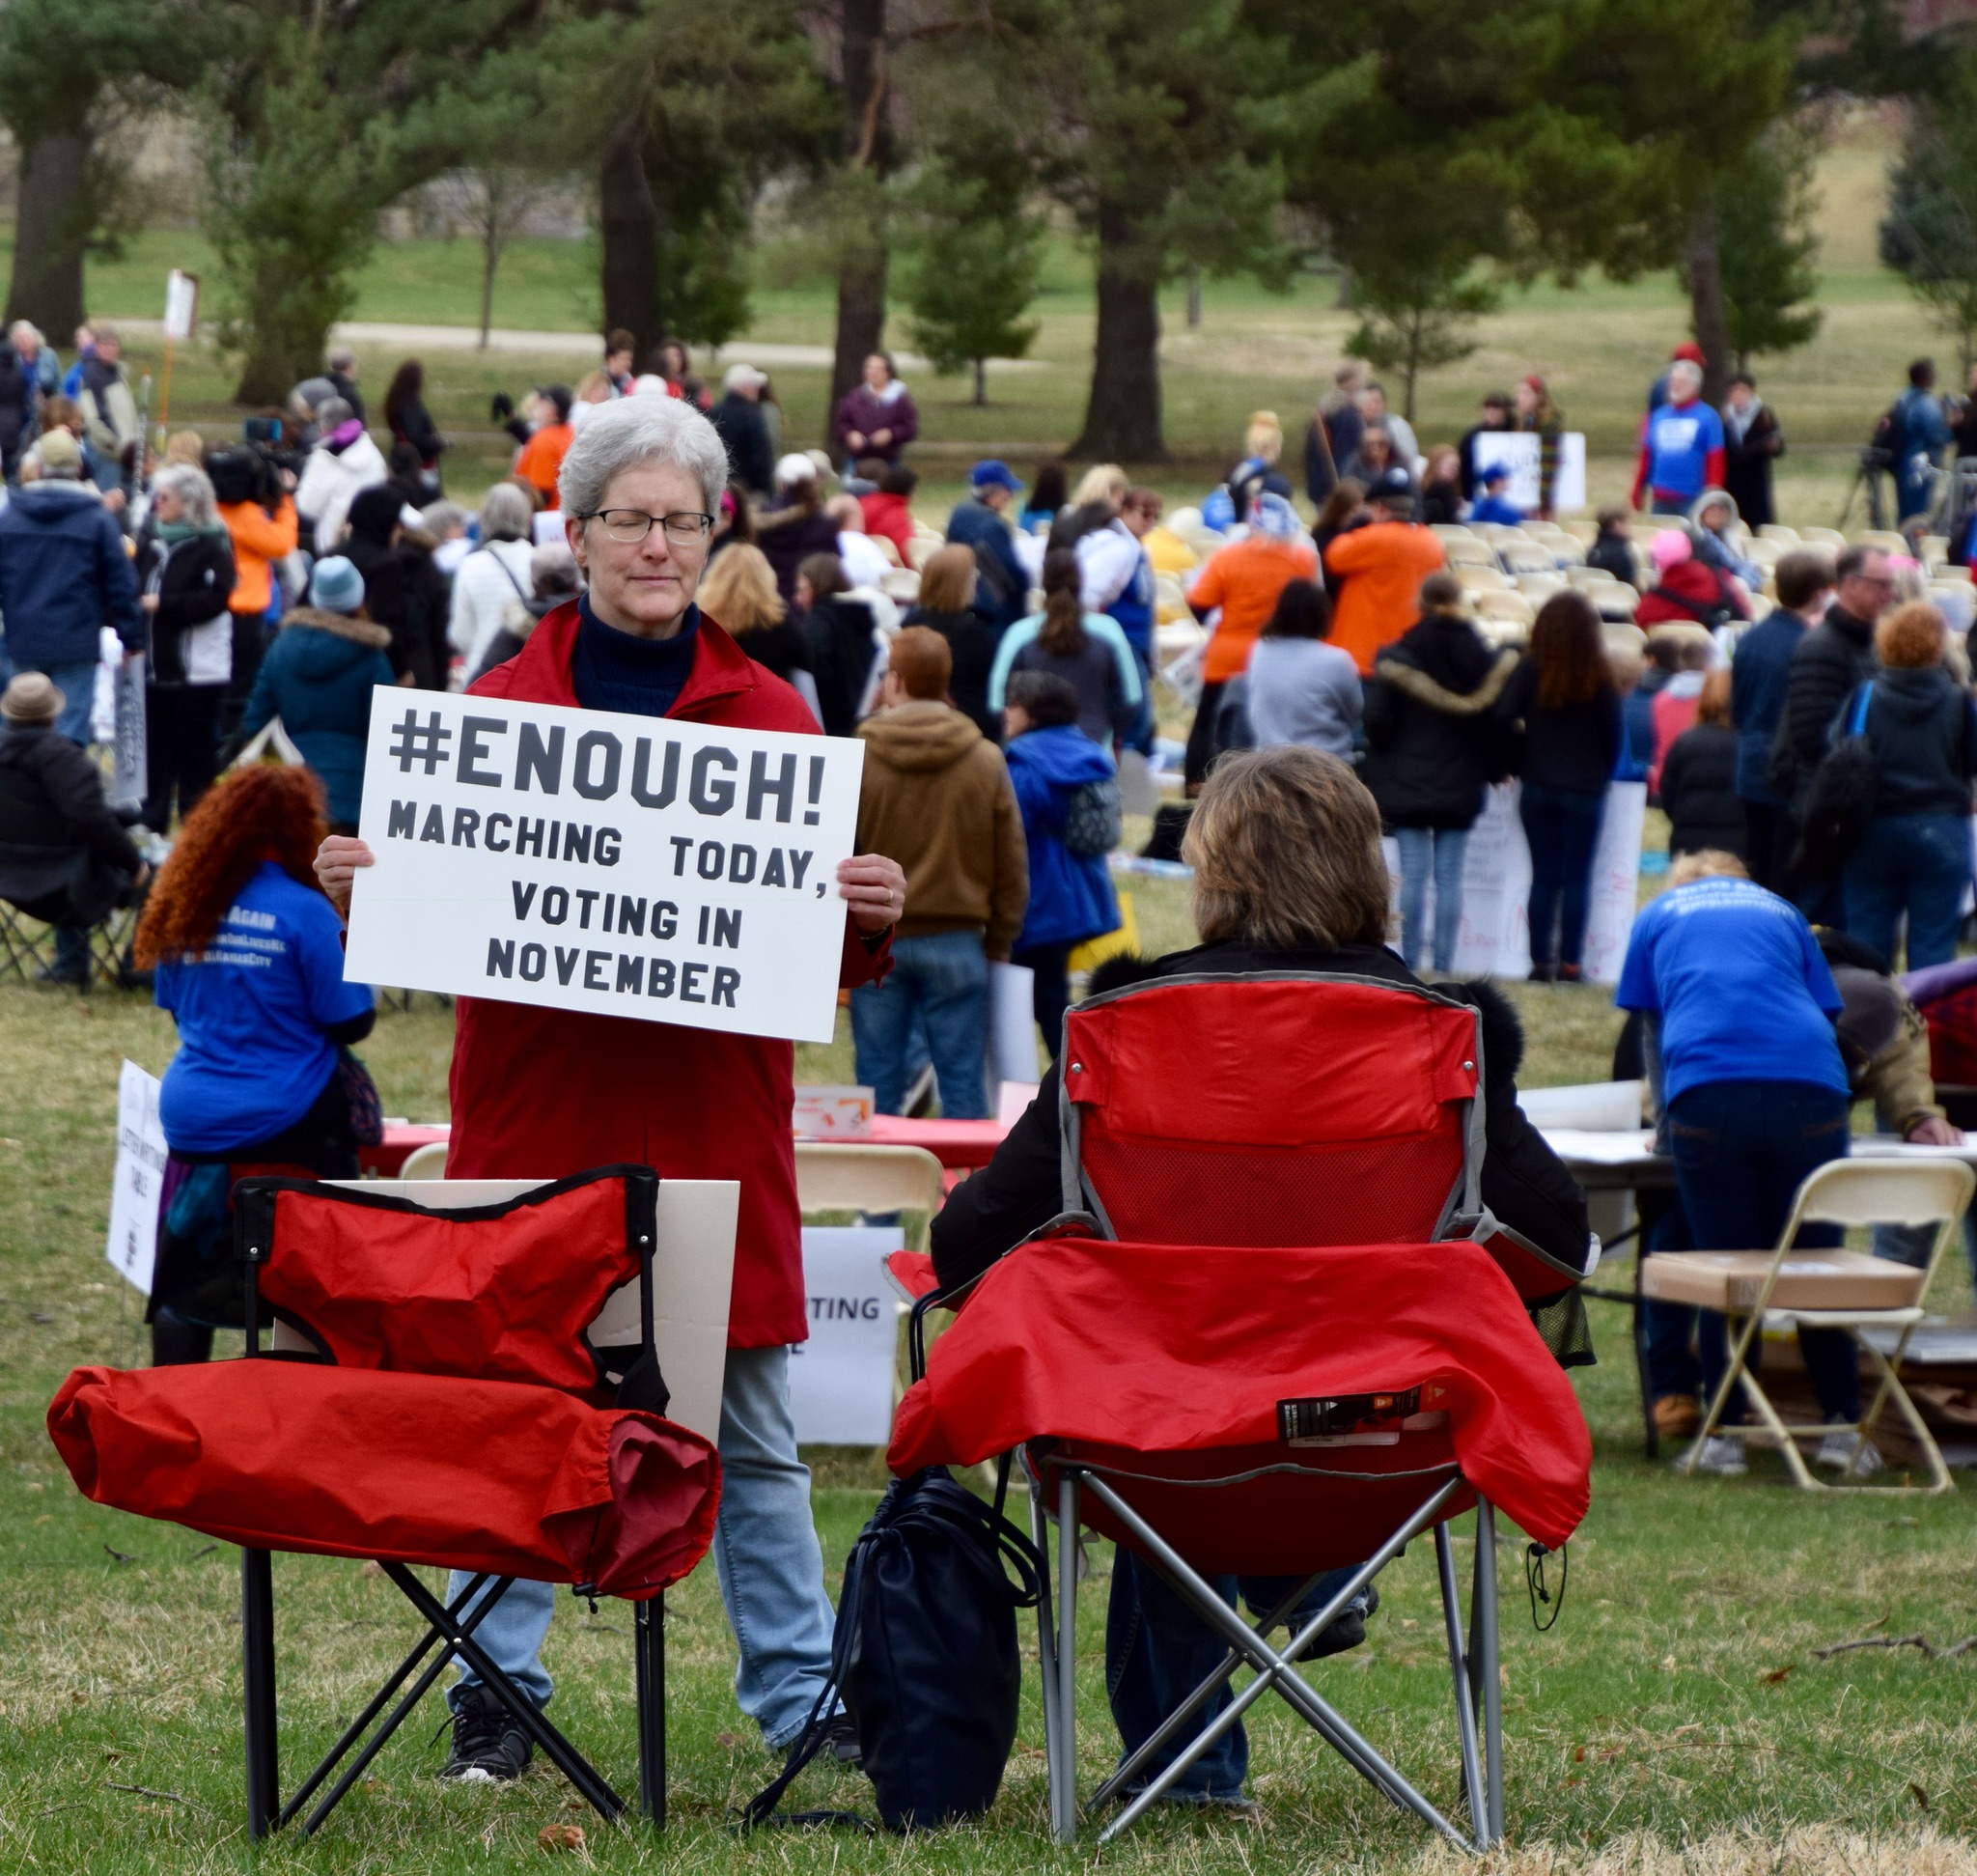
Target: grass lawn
1673 1719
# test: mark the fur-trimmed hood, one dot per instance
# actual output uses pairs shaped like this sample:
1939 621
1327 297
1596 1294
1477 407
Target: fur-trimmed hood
359 632
1419 686
1503 1030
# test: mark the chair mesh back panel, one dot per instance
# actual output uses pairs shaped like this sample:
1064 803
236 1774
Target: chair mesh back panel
1272 1110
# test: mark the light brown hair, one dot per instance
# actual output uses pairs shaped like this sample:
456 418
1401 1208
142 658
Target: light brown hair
1713 704
923 662
947 581
739 591
1911 637
1285 846
1062 634
1711 863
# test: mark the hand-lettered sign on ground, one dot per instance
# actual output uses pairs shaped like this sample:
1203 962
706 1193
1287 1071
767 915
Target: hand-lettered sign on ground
587 861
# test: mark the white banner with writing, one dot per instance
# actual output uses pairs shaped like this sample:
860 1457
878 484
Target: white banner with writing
1518 451
139 1181
626 865
841 1380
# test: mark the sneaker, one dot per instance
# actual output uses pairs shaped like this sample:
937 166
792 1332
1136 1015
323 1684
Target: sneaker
1568 974
1542 972
1676 1417
1836 1452
1721 1456
1348 1630
69 976
842 1740
488 1745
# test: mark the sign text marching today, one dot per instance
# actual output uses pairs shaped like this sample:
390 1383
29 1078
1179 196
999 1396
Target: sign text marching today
626 865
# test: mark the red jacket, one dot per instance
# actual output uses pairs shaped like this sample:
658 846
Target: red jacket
539 1094
891 515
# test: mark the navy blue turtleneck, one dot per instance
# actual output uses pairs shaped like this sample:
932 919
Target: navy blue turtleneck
642 677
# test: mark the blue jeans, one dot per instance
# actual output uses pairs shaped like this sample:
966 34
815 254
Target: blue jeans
1741 1149
944 978
1918 863
767 1558
1562 829
78 684
1438 850
1157 1651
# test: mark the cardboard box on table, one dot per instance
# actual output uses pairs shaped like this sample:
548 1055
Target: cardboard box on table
1733 1280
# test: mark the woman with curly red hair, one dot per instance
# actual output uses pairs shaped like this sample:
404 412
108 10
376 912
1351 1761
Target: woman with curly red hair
249 961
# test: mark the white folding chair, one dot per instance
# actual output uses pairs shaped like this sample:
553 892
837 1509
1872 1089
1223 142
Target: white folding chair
1862 1192
868 1178
428 1161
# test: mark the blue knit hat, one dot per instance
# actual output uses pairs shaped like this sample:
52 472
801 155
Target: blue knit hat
336 586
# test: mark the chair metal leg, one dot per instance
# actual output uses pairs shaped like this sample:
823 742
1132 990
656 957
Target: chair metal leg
1274 1669
649 1654
1046 1655
373 1708
257 1692
566 1759
1067 1649
1459 1668
1484 1666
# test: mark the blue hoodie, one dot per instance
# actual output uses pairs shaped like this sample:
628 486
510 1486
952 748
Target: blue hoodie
1071 895
63 576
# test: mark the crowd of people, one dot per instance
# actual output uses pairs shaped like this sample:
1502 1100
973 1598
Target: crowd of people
1815 753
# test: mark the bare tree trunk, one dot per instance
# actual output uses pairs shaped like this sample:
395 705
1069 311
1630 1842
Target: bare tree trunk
868 147
1123 417
629 221
1703 264
1193 297
1346 302
50 234
981 381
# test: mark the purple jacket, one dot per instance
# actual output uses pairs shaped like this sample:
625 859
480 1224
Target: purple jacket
864 410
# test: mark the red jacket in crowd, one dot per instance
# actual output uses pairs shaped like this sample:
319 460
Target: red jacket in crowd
538 1093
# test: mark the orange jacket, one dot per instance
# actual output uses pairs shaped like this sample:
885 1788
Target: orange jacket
1382 568
258 542
540 460
1244 580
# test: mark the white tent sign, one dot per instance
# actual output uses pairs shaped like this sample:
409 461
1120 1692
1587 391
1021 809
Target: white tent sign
841 1380
139 1181
620 865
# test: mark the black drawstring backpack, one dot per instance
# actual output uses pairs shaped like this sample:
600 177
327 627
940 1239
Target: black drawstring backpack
925 1657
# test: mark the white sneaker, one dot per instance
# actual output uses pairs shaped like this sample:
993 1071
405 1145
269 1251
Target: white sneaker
1836 1451
1721 1456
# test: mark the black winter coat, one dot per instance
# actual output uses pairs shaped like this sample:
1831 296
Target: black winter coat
1920 728
973 642
1699 791
195 581
1523 1183
841 654
1613 555
740 424
407 594
63 857
1747 468
1430 736
413 424
1827 665
788 537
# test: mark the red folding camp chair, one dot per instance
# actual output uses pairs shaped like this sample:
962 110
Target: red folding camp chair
1230 1395
435 1337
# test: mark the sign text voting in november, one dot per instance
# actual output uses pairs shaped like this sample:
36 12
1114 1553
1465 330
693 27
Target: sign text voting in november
626 865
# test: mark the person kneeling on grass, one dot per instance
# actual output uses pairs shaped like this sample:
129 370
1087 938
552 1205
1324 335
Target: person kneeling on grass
1746 1074
1288 876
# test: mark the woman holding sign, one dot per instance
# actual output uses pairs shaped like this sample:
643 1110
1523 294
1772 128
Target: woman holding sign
540 1093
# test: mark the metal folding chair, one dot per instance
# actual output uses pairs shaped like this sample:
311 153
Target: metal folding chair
1842 1193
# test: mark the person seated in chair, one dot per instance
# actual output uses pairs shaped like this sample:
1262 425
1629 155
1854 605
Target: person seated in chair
64 855
1288 876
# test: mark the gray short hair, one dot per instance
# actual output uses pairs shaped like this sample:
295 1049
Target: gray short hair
341 358
191 484
633 433
1684 371
504 514
333 412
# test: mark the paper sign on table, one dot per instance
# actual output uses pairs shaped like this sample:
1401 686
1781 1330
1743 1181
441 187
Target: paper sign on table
623 865
139 1181
832 1113
841 1380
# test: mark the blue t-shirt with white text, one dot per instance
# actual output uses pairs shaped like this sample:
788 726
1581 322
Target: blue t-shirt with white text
252 1011
1737 978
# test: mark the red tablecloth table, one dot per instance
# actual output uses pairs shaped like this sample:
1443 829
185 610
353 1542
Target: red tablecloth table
402 1139
960 1145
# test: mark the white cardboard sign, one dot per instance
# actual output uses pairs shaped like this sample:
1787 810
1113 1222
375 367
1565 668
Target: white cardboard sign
582 859
840 1379
182 303
139 1181
1517 450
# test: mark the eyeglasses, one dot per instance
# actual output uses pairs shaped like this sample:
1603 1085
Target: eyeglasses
628 526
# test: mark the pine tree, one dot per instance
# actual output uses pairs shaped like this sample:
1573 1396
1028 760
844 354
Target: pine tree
1763 212
1930 233
975 273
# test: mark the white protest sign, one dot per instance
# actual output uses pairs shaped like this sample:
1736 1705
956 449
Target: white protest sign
623 865
182 303
130 772
139 1181
1495 940
841 1380
1519 450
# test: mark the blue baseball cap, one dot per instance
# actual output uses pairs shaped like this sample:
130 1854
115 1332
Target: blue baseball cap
1497 473
336 586
993 474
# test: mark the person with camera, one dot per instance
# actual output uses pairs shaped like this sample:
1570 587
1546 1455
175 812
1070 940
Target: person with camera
258 514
